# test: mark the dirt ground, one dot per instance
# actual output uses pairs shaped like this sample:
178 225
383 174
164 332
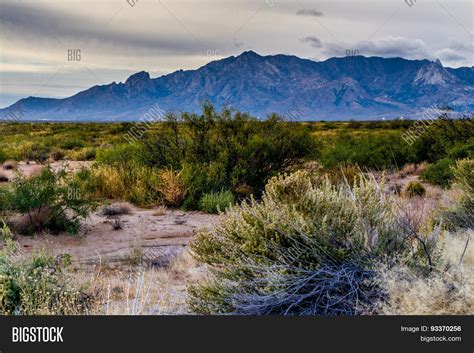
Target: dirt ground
144 236
32 168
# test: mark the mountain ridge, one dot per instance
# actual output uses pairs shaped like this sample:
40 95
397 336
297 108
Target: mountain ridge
334 89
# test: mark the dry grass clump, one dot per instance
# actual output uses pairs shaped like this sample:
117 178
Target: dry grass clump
140 290
172 187
448 290
133 183
117 209
414 189
412 169
160 211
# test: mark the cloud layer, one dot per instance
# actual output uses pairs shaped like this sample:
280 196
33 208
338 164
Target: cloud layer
161 36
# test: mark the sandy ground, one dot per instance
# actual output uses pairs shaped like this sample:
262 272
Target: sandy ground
32 168
144 236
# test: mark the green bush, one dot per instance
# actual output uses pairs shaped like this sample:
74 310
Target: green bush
50 200
226 150
376 152
461 214
307 248
415 188
71 144
444 134
38 153
215 202
121 155
439 173
39 285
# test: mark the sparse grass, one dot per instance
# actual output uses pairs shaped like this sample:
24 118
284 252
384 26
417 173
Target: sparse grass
138 290
447 291
160 211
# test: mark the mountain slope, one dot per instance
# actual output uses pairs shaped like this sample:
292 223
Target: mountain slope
338 88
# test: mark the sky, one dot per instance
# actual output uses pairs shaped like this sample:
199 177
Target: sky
58 48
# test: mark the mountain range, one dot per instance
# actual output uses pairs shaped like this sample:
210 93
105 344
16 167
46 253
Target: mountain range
354 87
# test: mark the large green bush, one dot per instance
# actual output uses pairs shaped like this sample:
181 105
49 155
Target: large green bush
441 136
50 200
306 248
227 149
377 152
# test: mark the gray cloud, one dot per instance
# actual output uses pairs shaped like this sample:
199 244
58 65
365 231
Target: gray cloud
29 23
385 47
313 41
449 55
309 12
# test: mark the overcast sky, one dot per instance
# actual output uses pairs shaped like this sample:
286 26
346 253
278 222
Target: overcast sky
117 38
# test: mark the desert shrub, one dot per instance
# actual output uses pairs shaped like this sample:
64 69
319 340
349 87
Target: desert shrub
343 174
461 214
415 188
116 209
49 200
447 291
38 153
39 285
441 136
171 187
5 232
226 149
83 154
215 202
439 173
377 152
134 183
462 150
201 179
56 154
307 248
70 144
121 155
